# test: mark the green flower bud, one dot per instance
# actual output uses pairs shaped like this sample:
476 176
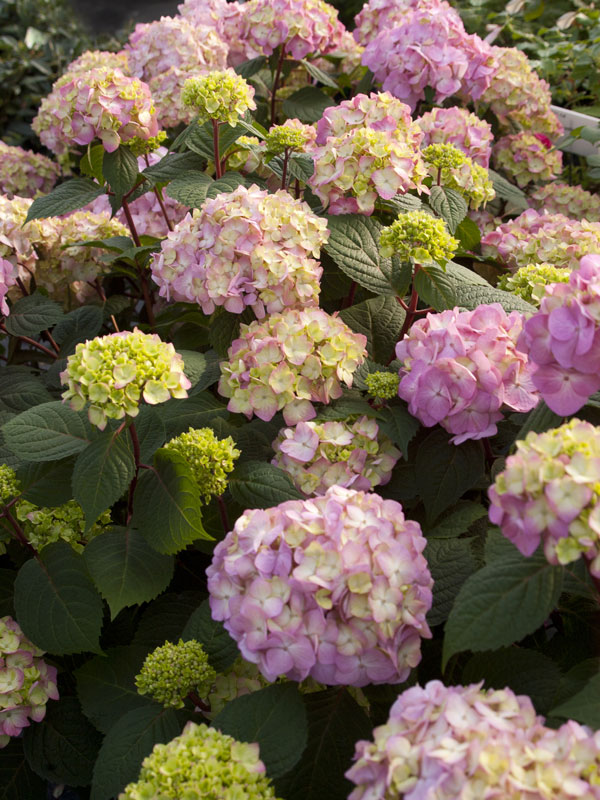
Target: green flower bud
419 236
529 282
172 671
211 459
9 485
454 170
66 523
142 147
444 156
382 385
291 136
222 96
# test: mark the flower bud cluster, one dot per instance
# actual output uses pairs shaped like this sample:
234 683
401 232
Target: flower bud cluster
289 361
382 385
561 198
171 672
143 147
335 587
26 681
66 523
454 170
25 173
115 372
226 18
526 158
292 135
460 367
467 742
367 147
529 282
222 96
457 126
419 236
351 453
9 485
201 763
210 459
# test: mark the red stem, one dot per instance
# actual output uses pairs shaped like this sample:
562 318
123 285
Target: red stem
412 307
132 228
215 125
350 299
18 531
32 342
223 513
276 84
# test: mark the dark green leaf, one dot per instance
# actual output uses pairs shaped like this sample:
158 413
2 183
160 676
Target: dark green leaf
318 74
400 426
196 411
46 483
227 183
17 779
220 648
190 189
32 314
7 580
172 166
78 326
21 390
151 432
69 196
508 191
166 617
257 485
120 170
583 706
458 521
354 246
307 104
249 68
468 234
450 205
435 287
91 163
380 319
450 562
540 419
47 432
472 296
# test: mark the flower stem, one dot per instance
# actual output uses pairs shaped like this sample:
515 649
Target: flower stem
350 299
218 171
18 531
223 513
412 306
276 84
136 457
32 342
130 222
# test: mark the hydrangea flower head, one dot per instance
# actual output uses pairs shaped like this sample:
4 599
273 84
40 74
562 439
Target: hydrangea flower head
222 96
8 278
334 587
226 18
453 169
210 458
466 742
201 763
561 198
292 135
378 15
16 243
419 236
458 126
351 453
244 248
102 103
526 159
25 173
460 367
367 147
382 385
288 362
115 373
548 493
169 673
529 282
95 59
26 681
65 523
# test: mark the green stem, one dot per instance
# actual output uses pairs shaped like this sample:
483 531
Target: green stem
276 84
218 171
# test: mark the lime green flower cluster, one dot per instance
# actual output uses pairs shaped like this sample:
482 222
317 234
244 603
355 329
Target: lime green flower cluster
211 459
66 523
221 96
9 485
419 236
383 385
529 282
453 169
241 678
293 135
143 147
172 671
115 372
201 764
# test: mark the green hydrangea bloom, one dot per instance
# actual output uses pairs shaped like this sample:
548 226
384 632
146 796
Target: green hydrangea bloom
201 764
222 96
454 170
529 282
382 385
172 671
211 459
66 523
9 485
142 147
285 137
444 156
419 236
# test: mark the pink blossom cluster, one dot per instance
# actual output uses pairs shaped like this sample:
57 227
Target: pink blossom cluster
485 220
15 237
367 147
457 126
378 15
302 26
103 103
244 248
527 158
8 278
289 361
561 198
26 681
548 493
25 173
335 587
94 59
518 96
430 48
226 18
351 453
450 742
460 367
563 339
535 238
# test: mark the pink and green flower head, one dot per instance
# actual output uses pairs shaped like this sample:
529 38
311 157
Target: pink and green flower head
458 126
221 96
530 282
527 158
451 168
561 198
418 236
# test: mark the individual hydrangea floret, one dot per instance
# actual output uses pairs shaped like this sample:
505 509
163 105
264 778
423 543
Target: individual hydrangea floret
460 367
201 763
244 248
451 168
171 672
66 523
220 96
211 459
351 453
452 742
335 587
25 173
419 236
458 126
115 373
293 135
102 103
534 238
26 681
561 198
527 158
288 362
548 493
226 18
382 385
8 279
367 147
302 26
529 282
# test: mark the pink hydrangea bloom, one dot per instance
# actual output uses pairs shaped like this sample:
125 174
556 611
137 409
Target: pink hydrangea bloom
8 278
244 248
378 15
547 492
534 238
450 742
367 147
457 126
573 201
526 158
485 220
227 19
335 587
289 361
460 367
102 103
93 59
26 681
25 173
430 48
351 453
16 243
563 339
